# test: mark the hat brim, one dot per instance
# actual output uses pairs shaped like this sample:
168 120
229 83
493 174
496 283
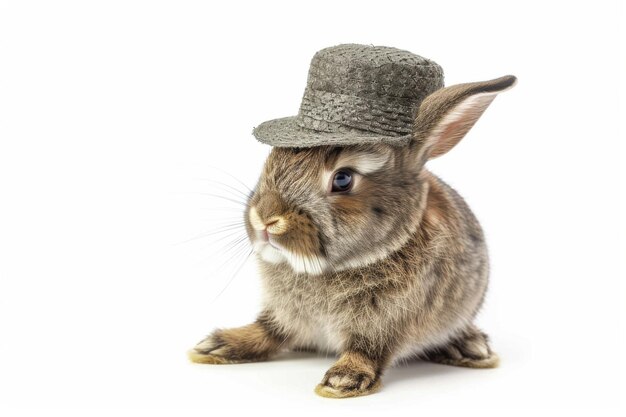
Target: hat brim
285 132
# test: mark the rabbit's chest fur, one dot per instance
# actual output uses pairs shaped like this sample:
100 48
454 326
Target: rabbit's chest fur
320 312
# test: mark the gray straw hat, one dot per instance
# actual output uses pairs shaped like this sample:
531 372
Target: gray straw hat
357 94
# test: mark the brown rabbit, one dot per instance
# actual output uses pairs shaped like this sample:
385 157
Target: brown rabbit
366 254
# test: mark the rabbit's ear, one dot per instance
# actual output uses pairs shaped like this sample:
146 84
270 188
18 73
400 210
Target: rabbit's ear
446 115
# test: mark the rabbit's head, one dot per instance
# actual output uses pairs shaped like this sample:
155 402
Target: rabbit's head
330 208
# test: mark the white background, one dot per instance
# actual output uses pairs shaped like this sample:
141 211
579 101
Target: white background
114 114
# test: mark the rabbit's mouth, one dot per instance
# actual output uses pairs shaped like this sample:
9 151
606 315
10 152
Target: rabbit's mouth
271 252
274 245
289 237
265 237
267 241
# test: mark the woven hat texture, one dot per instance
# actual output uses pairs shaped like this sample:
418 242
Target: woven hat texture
357 94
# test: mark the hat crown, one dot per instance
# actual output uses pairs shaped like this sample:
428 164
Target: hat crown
371 88
379 70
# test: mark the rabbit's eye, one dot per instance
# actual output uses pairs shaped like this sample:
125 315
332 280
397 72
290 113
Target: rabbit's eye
342 181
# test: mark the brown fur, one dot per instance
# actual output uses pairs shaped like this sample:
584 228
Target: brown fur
395 268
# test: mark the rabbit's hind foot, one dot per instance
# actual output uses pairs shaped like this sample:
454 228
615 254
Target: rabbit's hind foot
469 349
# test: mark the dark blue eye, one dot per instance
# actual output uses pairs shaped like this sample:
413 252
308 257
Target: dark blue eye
342 181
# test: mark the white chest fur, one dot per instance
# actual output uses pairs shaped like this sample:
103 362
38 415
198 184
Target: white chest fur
309 328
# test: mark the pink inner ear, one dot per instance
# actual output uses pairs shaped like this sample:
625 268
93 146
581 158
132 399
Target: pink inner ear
449 137
454 125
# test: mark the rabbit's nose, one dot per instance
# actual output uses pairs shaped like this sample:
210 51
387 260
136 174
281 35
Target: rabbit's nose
275 225
271 222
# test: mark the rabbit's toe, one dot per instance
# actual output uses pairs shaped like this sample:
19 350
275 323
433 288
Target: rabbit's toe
213 350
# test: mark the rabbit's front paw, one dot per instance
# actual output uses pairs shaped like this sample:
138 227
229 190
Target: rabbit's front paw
251 343
343 381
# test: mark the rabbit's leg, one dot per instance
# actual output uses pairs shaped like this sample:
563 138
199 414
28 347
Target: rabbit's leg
356 373
469 349
252 343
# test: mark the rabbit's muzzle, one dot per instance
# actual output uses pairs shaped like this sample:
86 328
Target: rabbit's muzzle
281 233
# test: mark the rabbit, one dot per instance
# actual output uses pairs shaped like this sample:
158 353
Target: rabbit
365 254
